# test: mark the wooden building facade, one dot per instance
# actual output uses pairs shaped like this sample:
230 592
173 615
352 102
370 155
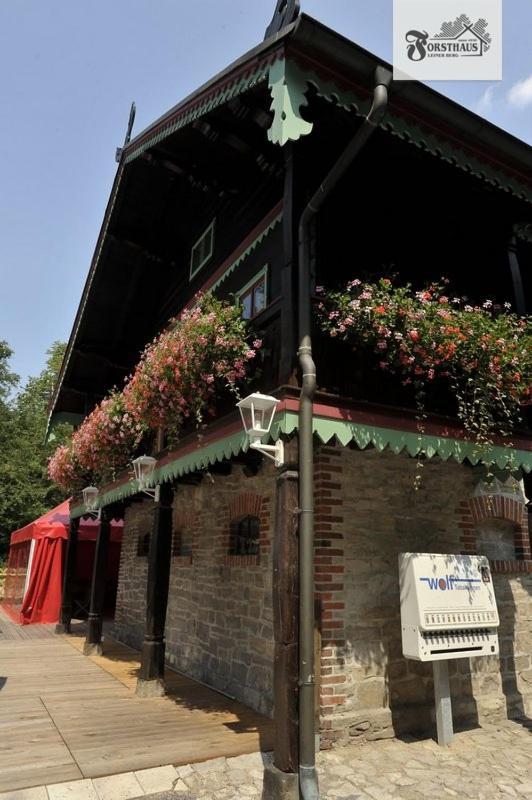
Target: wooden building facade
209 198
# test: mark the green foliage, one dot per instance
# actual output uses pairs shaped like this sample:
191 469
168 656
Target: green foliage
25 489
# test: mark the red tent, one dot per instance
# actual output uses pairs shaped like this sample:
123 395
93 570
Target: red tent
34 577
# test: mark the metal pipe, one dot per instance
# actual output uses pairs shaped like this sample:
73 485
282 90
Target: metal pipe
308 779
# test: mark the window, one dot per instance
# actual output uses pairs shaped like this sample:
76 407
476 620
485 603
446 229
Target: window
253 297
202 250
181 543
245 536
143 545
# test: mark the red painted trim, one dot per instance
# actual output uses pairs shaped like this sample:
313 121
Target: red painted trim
198 98
408 111
242 247
402 423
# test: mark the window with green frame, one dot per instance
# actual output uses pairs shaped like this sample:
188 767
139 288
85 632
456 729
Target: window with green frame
254 296
202 250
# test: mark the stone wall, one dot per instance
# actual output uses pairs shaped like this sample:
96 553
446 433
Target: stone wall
368 512
130 613
219 618
219 622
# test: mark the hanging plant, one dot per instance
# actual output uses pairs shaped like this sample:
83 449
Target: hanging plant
180 377
483 352
185 370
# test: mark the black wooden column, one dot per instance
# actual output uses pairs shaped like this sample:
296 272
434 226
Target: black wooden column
151 676
280 780
93 641
63 626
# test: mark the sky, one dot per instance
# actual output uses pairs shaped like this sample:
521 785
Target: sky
69 71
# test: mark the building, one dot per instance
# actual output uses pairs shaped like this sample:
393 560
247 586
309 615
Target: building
209 198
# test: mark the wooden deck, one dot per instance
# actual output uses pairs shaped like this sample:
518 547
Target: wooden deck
64 716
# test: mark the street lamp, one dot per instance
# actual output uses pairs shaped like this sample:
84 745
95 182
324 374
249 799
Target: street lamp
144 467
257 412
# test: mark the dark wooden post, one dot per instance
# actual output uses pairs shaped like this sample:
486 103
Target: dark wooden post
151 676
63 626
93 641
281 778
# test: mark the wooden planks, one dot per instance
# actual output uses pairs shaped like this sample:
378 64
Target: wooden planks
64 716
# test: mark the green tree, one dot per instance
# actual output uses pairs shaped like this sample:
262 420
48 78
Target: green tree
25 490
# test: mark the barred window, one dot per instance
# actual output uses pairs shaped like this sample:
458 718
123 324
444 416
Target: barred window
244 539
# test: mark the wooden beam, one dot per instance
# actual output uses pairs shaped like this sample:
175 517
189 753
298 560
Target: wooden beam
93 641
151 676
285 615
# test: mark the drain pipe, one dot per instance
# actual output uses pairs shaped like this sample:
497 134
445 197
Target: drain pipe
308 779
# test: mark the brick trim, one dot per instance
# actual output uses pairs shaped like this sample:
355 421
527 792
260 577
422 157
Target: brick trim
329 583
244 505
473 512
511 567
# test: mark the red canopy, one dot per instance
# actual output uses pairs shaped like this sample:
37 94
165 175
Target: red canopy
55 523
40 592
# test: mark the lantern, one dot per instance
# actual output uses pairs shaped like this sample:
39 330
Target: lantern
144 467
257 412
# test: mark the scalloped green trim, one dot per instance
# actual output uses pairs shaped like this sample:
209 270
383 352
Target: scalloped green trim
410 132
327 430
218 98
287 86
254 244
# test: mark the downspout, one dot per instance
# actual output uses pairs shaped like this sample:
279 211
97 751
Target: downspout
308 779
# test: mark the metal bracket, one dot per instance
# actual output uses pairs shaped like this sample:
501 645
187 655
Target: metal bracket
155 493
120 150
273 451
286 12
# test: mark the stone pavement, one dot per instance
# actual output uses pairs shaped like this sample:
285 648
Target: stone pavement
494 762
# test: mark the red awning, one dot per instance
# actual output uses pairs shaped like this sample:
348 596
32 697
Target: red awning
55 523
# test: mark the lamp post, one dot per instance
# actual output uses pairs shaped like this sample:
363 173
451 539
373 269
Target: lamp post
257 412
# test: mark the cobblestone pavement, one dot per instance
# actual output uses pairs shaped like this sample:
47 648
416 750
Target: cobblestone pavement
482 764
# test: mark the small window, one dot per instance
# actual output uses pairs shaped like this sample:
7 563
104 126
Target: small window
202 250
143 545
181 543
245 536
253 297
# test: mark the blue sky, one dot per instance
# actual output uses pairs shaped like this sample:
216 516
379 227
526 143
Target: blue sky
70 70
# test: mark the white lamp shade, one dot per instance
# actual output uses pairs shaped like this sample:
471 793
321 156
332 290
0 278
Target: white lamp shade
257 411
90 497
144 466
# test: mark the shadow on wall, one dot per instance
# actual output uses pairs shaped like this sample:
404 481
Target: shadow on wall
514 630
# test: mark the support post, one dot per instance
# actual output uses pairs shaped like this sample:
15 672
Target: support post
442 698
151 676
281 779
63 626
517 280
93 641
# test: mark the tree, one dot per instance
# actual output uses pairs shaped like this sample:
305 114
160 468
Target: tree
25 490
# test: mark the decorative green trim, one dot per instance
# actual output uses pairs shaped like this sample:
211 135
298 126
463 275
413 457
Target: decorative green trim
327 430
209 231
453 154
287 82
288 86
254 244
203 106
